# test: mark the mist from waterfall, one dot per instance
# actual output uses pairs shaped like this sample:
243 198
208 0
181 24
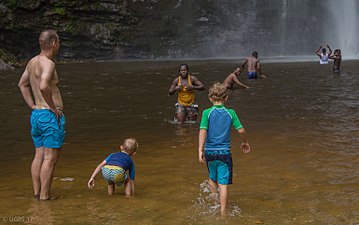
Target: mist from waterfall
273 28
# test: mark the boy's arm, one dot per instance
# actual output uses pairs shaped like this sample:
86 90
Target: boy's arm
245 145
201 140
91 182
132 184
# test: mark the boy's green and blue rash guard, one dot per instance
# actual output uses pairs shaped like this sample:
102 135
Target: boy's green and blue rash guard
217 120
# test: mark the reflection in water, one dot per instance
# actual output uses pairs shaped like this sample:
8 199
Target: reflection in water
302 124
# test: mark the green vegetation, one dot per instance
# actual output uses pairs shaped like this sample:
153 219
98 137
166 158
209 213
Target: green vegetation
7 57
12 4
59 10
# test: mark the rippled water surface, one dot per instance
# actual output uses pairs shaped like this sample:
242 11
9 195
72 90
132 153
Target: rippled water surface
302 122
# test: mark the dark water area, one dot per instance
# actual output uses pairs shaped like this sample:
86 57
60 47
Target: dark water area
302 123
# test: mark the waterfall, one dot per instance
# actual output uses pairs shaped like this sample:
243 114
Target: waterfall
283 26
344 17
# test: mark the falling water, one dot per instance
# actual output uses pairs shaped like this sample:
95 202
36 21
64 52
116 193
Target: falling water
283 25
344 16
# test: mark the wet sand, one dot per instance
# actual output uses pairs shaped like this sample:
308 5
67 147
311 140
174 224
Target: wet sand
302 122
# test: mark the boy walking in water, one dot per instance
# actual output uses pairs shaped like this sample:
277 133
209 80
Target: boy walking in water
214 142
115 166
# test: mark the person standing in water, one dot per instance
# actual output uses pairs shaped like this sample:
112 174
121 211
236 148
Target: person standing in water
232 79
39 87
253 66
337 56
323 55
214 142
186 84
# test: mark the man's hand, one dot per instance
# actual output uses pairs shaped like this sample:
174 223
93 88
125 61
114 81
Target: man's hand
179 87
190 87
57 112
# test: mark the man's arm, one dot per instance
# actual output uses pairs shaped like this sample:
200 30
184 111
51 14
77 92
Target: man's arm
235 79
201 139
243 64
330 50
174 87
25 88
196 84
48 71
318 51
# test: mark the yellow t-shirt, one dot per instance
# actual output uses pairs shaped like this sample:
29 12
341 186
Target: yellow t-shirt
186 97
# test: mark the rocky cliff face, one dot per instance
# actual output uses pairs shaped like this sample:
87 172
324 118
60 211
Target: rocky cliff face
123 29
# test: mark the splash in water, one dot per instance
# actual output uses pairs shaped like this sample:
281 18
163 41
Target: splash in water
207 204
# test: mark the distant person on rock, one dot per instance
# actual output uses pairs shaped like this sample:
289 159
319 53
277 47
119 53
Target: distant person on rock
253 66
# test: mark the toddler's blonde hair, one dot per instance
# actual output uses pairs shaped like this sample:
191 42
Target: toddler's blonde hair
130 145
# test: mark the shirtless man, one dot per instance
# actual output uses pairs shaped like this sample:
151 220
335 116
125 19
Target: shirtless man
185 84
232 79
253 67
337 60
323 55
38 86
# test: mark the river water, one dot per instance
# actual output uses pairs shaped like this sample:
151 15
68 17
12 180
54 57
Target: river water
302 123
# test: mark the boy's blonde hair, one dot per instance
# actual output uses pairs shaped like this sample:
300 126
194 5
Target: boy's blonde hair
130 145
218 92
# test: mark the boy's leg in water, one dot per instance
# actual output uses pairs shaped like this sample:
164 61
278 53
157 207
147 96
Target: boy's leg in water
223 197
213 187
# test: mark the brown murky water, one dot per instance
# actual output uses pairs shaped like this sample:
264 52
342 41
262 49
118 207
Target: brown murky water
303 125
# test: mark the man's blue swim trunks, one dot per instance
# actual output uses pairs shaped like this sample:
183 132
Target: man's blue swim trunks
220 168
252 75
46 130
